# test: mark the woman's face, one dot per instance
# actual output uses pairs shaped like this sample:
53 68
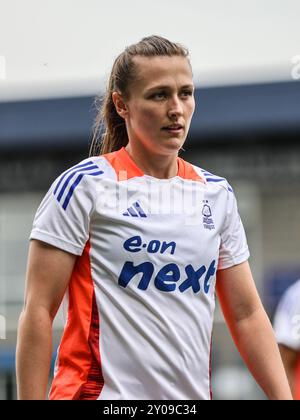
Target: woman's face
161 96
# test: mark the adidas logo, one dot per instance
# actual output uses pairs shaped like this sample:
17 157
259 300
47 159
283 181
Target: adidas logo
135 211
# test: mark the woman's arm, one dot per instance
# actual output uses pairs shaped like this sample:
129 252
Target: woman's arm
48 272
251 330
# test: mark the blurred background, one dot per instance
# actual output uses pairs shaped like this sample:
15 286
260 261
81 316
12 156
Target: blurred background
55 56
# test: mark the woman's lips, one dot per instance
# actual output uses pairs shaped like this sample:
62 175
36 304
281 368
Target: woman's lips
173 130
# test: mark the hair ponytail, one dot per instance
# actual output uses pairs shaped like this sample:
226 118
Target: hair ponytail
109 129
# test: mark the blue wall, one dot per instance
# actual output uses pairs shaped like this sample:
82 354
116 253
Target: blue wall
221 112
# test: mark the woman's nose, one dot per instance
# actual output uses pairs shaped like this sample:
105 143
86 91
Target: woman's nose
175 107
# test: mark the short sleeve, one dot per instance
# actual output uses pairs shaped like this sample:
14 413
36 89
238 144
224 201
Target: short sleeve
287 318
63 217
233 248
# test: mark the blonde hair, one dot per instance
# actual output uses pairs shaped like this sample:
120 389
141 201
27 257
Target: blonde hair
109 129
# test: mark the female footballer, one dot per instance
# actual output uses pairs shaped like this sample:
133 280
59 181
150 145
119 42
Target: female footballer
136 241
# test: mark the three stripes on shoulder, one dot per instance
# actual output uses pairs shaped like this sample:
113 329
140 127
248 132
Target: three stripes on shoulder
213 178
71 179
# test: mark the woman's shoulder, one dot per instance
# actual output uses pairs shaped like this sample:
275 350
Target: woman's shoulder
92 166
82 176
212 179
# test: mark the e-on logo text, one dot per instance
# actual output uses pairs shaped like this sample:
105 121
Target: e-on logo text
170 277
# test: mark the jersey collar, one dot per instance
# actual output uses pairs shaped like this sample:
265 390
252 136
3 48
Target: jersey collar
126 168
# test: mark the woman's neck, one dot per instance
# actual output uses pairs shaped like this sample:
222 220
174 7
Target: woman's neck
158 166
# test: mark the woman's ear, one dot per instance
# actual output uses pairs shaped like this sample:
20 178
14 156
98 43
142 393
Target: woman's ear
120 104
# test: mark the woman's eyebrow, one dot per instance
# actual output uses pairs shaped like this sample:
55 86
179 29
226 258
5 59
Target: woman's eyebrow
166 87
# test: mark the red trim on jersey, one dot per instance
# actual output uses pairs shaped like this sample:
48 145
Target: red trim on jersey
126 168
79 361
93 387
186 171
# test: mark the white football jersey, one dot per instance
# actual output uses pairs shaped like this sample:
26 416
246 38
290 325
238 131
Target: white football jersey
287 318
141 297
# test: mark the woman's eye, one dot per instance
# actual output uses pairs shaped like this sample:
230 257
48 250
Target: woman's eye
163 95
187 93
159 95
